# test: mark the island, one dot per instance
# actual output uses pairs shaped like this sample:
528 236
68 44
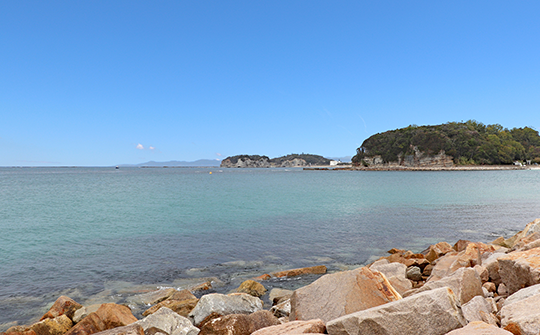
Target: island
291 160
451 144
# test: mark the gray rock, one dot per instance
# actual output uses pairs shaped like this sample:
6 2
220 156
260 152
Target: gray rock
524 293
479 309
278 294
151 298
125 330
479 328
168 322
414 273
464 282
492 265
520 269
282 309
294 327
409 316
81 313
235 303
522 316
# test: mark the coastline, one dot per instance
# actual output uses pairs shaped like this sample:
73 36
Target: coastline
424 168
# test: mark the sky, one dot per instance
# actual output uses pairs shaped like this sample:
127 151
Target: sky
101 83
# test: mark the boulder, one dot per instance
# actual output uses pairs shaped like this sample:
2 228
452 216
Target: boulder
437 250
492 265
125 330
182 295
294 327
396 275
479 309
19 332
530 228
524 293
182 307
57 326
107 316
341 293
252 287
522 316
482 272
408 316
442 266
319 269
278 295
520 269
235 303
479 328
414 273
168 322
489 286
464 282
62 306
239 324
467 258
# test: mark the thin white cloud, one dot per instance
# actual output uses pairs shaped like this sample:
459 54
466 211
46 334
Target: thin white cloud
218 154
151 148
140 146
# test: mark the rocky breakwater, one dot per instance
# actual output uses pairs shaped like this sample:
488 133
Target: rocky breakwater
465 288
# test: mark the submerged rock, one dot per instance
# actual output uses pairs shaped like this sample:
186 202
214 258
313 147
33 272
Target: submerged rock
319 269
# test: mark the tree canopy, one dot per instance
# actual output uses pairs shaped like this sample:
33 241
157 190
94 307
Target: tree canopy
468 142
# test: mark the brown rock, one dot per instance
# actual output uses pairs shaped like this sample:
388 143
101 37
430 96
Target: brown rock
63 305
461 245
239 324
202 287
265 276
182 295
153 297
482 272
252 287
479 328
108 316
27 331
319 269
469 257
183 307
341 293
57 326
489 286
520 269
294 327
437 250
442 266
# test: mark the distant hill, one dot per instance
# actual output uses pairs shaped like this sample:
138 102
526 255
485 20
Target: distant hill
257 161
468 142
200 162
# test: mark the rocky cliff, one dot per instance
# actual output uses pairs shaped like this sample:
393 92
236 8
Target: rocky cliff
416 159
256 161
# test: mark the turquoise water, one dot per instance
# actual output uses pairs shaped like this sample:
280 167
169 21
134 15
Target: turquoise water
78 230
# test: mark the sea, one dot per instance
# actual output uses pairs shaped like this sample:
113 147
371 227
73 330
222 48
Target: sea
101 234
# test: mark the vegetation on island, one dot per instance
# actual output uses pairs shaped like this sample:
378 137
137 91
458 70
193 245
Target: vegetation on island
234 159
468 142
309 158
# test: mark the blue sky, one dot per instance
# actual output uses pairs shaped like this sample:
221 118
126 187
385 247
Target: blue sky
92 83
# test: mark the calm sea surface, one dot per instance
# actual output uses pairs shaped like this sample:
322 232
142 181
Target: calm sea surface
100 234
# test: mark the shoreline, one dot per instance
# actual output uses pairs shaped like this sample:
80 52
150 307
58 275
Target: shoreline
424 168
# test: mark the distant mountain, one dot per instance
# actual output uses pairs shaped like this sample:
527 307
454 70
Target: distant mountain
344 159
200 162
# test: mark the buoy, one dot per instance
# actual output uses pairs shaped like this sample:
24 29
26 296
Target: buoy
210 172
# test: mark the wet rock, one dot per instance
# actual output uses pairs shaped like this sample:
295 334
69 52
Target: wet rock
464 282
294 327
239 324
278 295
62 306
479 309
57 326
235 303
479 328
319 269
341 293
107 316
252 287
522 316
83 312
152 298
168 322
408 316
265 276
520 269
414 273
182 307
396 275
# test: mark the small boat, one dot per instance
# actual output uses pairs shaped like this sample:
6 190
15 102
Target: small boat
117 167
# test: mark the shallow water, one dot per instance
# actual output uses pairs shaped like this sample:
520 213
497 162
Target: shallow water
100 234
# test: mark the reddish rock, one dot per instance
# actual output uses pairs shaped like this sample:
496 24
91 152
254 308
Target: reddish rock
239 324
341 293
319 269
461 245
62 306
265 276
437 250
294 327
469 257
126 330
108 316
19 330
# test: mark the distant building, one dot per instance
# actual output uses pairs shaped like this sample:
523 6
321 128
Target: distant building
334 163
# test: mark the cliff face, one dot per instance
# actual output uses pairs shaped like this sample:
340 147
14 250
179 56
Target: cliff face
417 159
255 161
